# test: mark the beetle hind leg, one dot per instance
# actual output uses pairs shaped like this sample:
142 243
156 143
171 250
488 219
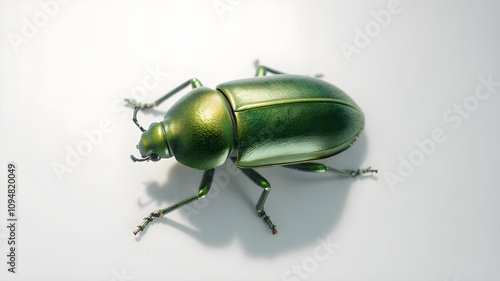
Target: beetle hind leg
351 173
319 168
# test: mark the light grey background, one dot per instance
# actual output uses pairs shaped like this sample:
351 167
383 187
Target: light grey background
65 69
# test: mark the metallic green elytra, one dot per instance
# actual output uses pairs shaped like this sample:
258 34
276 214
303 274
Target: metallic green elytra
287 119
279 120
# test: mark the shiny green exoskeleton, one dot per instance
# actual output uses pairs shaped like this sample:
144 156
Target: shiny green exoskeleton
279 120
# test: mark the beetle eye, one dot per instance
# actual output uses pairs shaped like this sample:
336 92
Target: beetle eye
155 157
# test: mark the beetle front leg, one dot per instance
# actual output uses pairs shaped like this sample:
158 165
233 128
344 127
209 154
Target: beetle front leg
259 180
195 83
206 183
318 168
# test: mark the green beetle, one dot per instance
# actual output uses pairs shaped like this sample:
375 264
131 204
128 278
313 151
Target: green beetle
279 120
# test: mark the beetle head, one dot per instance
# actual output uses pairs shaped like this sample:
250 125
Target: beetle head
153 144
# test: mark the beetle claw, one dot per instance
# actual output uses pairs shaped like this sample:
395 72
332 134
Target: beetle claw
139 229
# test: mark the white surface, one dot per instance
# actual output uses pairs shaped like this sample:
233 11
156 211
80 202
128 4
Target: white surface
441 223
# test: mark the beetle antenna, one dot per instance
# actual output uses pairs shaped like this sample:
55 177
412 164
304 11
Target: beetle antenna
140 159
134 118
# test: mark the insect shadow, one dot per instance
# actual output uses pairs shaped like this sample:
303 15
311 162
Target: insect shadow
304 206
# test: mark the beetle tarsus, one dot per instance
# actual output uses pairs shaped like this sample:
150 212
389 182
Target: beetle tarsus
267 219
139 229
139 105
355 173
152 216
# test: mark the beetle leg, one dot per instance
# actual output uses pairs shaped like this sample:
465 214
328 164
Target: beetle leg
259 180
319 168
351 173
195 83
206 183
262 70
